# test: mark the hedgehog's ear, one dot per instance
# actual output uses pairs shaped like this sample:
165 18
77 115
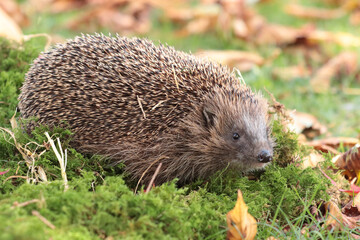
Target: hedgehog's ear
209 117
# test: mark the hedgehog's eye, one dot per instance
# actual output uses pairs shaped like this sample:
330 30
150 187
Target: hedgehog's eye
236 136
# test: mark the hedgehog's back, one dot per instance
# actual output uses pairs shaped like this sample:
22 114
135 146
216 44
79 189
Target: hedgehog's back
113 89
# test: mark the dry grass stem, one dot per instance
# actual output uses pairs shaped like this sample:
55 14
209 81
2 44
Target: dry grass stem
143 174
242 81
28 155
158 104
61 158
142 110
153 178
47 36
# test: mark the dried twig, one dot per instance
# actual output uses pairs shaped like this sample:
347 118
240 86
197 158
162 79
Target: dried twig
23 204
43 219
11 177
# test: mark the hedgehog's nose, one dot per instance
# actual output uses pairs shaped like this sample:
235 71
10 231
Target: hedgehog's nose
264 156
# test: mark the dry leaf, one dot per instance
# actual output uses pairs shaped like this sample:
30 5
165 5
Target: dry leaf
240 223
346 61
240 28
349 161
291 72
324 148
356 202
8 28
65 5
280 34
312 160
338 221
334 218
332 143
118 15
179 15
355 18
13 9
352 208
196 26
185 14
306 124
243 61
42 174
342 39
312 12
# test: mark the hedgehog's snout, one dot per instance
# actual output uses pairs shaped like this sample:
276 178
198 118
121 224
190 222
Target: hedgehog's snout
264 156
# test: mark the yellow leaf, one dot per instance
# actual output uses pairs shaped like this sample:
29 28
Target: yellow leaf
242 226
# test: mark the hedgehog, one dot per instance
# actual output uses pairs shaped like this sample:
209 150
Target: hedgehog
143 104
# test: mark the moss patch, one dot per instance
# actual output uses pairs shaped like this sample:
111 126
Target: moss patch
15 60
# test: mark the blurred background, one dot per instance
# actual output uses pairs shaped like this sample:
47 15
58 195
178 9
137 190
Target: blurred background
305 52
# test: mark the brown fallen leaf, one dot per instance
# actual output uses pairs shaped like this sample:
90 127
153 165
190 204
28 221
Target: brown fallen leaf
357 202
118 15
12 8
270 33
336 219
196 26
243 61
58 6
349 161
291 72
307 124
183 14
313 13
8 28
340 38
324 148
242 226
352 208
333 142
355 18
346 61
312 160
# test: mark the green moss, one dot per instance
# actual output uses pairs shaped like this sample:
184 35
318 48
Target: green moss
14 62
263 195
287 146
111 210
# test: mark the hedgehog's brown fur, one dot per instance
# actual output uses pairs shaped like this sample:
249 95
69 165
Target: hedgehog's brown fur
143 104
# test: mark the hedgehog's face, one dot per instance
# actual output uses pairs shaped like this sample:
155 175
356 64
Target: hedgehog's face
239 131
